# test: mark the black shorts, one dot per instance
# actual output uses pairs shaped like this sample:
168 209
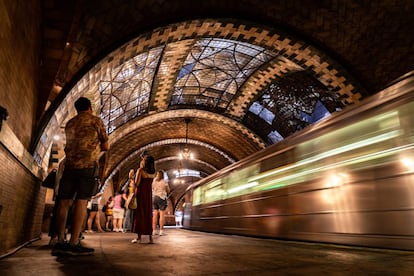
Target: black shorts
95 207
159 203
78 184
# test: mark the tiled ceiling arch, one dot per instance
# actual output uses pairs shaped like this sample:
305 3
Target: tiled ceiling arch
213 69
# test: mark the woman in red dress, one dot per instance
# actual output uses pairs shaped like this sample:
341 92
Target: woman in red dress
142 224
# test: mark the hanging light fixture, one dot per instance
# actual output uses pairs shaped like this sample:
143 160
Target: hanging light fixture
186 153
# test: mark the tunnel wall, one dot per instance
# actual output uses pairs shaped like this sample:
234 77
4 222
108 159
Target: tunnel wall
21 195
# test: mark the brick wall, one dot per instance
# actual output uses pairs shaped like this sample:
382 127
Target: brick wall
22 200
21 195
20 59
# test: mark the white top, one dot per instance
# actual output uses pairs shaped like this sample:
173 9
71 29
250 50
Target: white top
159 188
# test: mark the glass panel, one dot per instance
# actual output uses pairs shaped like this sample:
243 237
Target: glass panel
290 104
214 71
125 90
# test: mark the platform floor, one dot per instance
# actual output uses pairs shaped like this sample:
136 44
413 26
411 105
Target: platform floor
185 252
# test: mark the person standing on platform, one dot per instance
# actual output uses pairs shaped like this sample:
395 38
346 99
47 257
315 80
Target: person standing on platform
52 227
179 218
94 214
118 211
108 210
127 191
142 223
86 138
160 190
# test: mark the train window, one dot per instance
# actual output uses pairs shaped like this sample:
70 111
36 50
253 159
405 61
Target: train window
237 183
361 139
351 147
278 160
213 191
197 196
380 128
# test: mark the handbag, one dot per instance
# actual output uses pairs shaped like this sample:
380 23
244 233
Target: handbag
131 202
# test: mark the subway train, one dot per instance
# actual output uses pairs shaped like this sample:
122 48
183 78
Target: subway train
346 180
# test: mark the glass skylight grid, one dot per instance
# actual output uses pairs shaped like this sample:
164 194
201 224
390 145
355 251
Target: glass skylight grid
214 71
125 90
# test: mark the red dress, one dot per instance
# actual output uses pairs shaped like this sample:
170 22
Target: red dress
142 224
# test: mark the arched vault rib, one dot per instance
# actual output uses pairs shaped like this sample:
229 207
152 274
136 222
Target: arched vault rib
257 82
175 158
186 113
173 57
214 133
190 142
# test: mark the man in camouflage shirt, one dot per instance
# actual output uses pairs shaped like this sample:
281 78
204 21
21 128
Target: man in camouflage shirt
85 139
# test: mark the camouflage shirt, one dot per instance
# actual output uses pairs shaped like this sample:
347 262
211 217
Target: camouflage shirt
84 135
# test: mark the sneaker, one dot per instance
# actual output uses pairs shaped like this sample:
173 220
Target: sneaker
79 250
59 249
161 233
136 240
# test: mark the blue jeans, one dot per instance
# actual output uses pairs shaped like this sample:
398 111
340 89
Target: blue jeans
127 220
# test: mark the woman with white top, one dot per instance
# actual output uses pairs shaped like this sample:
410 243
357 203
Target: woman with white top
160 190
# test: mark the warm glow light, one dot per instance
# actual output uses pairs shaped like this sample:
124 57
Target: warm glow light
56 137
337 179
186 153
408 162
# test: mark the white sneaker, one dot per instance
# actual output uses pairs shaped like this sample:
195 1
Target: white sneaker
135 240
161 233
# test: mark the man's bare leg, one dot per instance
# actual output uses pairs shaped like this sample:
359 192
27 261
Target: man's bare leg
79 214
62 215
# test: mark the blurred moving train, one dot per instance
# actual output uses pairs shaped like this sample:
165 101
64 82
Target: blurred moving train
345 180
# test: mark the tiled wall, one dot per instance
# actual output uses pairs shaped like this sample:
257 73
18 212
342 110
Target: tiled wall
21 195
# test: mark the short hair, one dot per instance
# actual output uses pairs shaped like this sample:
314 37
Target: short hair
82 104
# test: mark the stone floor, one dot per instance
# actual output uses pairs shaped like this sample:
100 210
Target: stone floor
185 252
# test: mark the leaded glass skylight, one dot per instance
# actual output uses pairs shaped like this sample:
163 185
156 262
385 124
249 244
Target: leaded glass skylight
125 90
214 71
290 104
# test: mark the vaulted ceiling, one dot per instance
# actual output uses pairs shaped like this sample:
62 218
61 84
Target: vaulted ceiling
245 73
